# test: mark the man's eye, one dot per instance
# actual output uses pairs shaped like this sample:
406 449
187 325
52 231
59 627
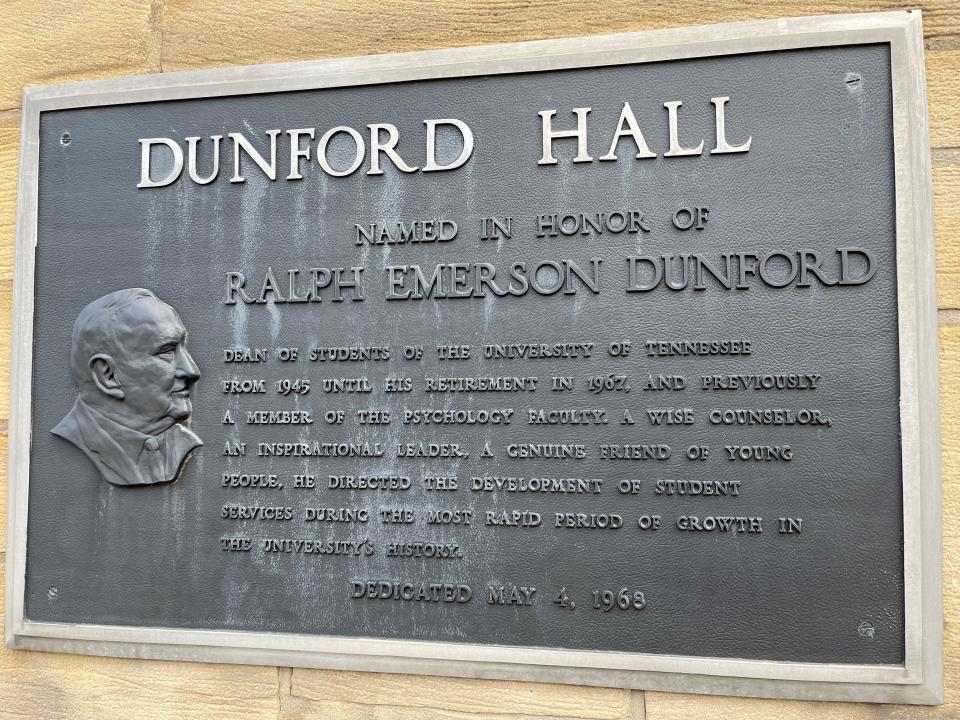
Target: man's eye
166 350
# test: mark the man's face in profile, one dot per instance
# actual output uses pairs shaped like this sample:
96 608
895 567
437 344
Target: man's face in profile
133 373
154 367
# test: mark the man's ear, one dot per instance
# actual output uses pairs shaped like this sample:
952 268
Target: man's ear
104 376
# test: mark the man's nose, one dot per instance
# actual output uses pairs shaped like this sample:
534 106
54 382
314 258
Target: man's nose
186 367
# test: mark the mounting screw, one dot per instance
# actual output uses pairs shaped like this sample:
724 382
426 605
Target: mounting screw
52 592
65 139
853 82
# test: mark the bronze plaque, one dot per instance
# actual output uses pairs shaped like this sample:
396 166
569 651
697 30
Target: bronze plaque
604 359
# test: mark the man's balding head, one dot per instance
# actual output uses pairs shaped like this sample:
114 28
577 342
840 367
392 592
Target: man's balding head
102 327
130 361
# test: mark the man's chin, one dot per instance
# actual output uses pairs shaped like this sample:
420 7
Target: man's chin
181 410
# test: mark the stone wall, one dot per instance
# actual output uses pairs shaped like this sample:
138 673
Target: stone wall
59 41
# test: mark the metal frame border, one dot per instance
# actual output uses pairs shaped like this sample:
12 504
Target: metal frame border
919 680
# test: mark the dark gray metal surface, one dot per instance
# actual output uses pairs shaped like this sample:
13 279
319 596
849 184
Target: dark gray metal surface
819 176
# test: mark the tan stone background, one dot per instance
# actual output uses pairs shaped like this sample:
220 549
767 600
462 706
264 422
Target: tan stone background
63 40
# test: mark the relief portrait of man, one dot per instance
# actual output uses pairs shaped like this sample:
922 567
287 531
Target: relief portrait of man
134 375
